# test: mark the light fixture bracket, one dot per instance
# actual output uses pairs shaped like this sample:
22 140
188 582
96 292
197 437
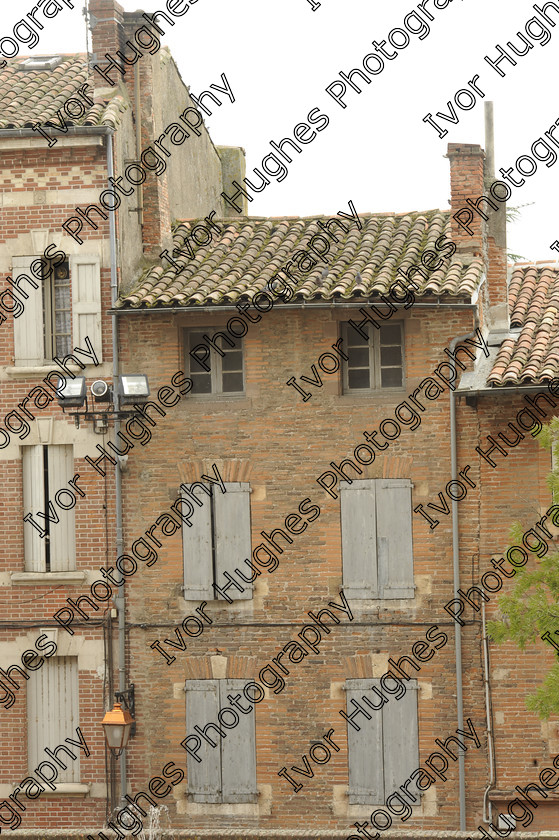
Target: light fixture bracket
127 699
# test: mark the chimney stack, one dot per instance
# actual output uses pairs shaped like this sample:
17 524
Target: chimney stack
466 182
471 177
107 36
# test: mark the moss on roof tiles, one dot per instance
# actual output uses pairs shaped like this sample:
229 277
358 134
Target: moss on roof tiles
244 258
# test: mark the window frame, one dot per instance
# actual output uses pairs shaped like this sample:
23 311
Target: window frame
392 709
376 584
374 368
45 721
220 687
216 364
49 311
33 329
37 549
211 538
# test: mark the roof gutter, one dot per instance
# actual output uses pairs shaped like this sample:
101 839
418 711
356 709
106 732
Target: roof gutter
486 392
176 310
72 130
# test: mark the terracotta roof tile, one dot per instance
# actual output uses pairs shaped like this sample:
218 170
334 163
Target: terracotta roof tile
28 97
532 356
247 254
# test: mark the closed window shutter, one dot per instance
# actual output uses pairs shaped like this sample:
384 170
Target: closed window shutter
33 501
365 748
197 552
401 747
359 539
85 275
232 536
202 706
238 749
385 751
63 533
53 714
29 344
394 538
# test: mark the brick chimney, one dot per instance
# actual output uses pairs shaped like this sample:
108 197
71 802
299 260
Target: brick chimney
473 197
114 29
107 35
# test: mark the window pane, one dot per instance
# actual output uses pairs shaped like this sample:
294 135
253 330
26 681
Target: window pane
232 361
61 316
63 345
358 378
202 365
201 383
390 334
390 356
355 339
391 377
232 382
358 356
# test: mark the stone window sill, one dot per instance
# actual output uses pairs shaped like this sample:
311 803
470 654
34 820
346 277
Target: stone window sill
68 789
40 370
48 577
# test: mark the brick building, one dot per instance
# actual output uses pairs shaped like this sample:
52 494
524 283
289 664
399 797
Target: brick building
296 456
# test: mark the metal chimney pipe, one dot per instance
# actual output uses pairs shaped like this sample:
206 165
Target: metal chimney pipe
489 142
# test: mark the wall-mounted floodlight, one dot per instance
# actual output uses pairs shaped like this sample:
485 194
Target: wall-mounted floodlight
101 391
73 393
133 388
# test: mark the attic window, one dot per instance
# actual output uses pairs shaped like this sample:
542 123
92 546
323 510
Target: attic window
44 62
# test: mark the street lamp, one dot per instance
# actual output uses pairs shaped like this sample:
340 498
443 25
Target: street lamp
117 725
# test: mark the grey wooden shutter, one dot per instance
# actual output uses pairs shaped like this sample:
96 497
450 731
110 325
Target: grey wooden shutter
202 707
85 276
394 538
238 750
197 553
365 748
29 346
401 747
34 546
232 537
62 536
359 539
53 714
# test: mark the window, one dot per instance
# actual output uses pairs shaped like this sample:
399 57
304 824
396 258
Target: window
53 714
57 313
374 363
217 371
217 542
64 307
46 470
377 551
45 62
226 772
382 743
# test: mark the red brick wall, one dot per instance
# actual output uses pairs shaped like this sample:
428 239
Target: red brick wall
286 444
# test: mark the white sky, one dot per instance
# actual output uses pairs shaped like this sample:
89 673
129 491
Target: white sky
279 58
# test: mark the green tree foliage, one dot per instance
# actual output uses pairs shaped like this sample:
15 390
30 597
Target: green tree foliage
531 609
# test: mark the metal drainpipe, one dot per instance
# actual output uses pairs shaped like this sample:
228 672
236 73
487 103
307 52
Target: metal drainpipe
487 807
119 600
456 575
138 115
